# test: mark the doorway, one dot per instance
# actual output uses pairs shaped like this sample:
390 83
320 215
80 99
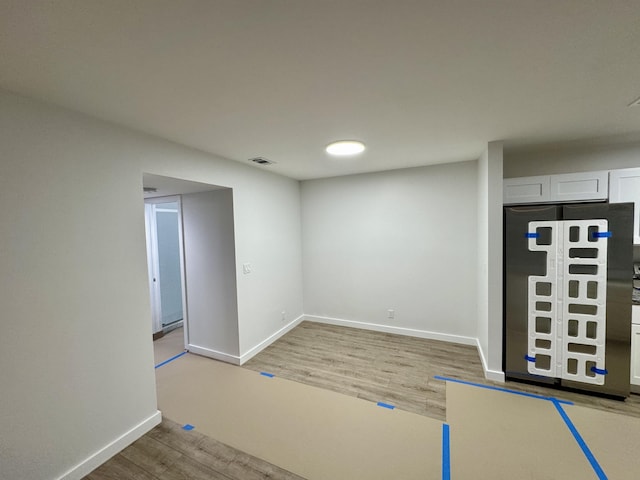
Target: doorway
165 260
194 286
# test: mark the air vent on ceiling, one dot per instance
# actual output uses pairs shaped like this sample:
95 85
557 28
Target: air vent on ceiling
261 161
149 189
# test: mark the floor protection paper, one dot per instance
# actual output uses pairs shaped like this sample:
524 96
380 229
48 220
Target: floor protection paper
315 433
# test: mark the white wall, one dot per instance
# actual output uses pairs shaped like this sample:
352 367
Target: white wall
489 260
402 240
75 349
483 256
572 158
269 238
210 272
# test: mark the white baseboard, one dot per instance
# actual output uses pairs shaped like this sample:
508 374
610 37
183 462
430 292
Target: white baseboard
252 352
207 352
173 326
494 375
239 360
445 337
94 461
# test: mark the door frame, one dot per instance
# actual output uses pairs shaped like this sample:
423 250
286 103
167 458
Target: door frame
153 262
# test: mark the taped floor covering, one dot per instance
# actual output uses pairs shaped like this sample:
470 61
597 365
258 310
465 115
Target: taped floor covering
168 346
500 435
314 433
319 434
613 439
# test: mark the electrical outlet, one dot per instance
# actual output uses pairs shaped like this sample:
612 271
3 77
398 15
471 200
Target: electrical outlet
246 268
284 316
391 313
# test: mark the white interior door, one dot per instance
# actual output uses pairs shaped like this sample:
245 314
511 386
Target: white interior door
165 262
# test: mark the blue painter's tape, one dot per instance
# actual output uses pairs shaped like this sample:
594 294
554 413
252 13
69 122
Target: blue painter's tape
188 427
446 453
532 235
530 359
171 359
265 374
602 234
499 389
386 405
585 449
599 371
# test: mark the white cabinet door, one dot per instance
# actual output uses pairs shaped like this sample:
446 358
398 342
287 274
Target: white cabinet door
569 187
573 187
635 354
624 186
526 190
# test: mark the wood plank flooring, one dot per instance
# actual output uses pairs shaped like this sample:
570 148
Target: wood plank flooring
170 453
394 369
375 366
370 365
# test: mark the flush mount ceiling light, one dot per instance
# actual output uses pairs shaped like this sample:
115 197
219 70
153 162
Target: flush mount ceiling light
345 147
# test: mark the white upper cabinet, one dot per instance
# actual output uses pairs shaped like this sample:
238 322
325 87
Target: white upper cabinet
624 186
526 190
570 187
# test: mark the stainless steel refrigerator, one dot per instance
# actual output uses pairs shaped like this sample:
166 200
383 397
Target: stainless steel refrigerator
567 295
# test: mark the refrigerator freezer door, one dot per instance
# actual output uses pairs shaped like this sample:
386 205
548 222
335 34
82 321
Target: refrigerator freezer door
519 264
544 329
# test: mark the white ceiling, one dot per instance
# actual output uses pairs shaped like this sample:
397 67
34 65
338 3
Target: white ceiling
420 82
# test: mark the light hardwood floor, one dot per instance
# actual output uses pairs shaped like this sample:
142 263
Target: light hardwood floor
374 366
394 369
369 365
170 453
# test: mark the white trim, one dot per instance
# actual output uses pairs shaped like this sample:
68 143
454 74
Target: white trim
494 375
173 326
153 260
445 337
269 340
153 268
166 210
98 458
216 355
183 272
165 199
